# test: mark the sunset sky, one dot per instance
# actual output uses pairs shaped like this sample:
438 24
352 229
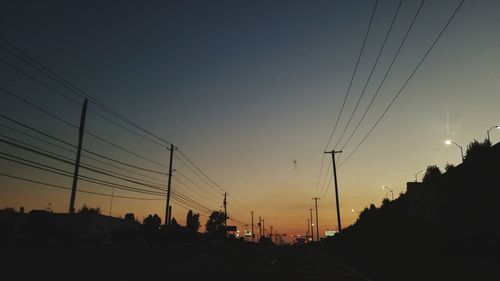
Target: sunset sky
250 92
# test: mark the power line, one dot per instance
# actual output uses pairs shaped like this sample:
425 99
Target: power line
61 94
72 87
386 74
210 180
319 175
76 127
57 78
123 163
353 74
79 190
370 75
407 80
237 202
192 189
326 181
72 145
55 170
84 156
38 107
36 130
179 197
126 150
196 168
179 172
61 159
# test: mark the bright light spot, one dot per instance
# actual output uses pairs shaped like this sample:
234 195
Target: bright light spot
352 210
447 142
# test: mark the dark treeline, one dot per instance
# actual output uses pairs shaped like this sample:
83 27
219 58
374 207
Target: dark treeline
88 225
445 227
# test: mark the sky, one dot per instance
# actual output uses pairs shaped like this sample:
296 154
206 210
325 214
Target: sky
250 91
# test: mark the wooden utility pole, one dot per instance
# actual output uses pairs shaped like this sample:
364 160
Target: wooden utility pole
312 228
252 228
260 228
317 225
333 152
225 209
168 215
78 154
308 229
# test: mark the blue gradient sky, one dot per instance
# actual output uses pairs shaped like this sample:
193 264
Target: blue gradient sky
247 87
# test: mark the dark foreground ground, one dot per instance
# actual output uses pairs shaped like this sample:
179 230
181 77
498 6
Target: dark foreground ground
202 262
27 261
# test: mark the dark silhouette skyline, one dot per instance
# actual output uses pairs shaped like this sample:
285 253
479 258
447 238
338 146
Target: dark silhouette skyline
261 78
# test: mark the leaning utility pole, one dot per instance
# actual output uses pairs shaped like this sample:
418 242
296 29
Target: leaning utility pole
312 228
78 154
252 228
168 215
336 186
317 225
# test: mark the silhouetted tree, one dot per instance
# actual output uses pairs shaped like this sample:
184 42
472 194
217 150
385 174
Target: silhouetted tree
192 222
385 201
476 149
431 174
215 224
449 167
9 210
372 208
129 216
152 222
89 211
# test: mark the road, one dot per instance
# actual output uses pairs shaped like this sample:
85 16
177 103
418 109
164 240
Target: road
228 262
257 263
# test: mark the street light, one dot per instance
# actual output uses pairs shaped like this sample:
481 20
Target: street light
449 142
417 175
488 132
355 211
390 190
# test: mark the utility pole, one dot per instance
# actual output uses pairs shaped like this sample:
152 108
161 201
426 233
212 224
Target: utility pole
252 228
263 228
312 228
225 210
308 229
336 186
260 227
111 203
317 225
168 215
271 233
78 154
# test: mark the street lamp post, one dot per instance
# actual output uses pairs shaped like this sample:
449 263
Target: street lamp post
488 132
390 190
449 142
416 180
